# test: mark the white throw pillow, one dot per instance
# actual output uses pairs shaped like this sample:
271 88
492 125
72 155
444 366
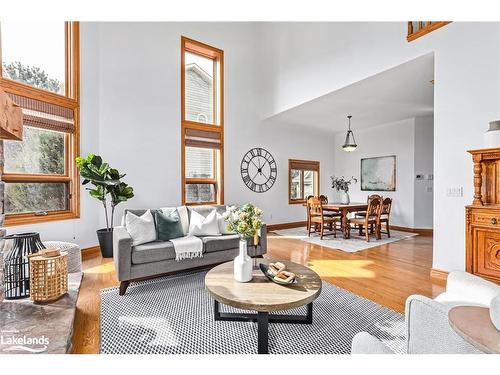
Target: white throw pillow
141 228
203 226
183 215
223 224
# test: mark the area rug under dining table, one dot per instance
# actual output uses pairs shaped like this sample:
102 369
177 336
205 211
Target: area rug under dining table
351 245
174 315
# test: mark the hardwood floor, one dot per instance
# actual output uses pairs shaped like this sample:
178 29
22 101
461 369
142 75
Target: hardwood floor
386 274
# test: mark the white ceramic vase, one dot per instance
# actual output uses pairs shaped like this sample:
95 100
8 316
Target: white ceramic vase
344 197
243 264
492 136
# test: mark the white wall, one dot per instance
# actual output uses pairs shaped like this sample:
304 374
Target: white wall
397 138
424 165
132 96
307 60
139 114
130 114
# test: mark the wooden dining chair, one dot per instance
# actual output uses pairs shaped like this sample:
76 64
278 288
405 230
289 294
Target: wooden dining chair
385 214
324 200
308 213
316 217
371 219
363 213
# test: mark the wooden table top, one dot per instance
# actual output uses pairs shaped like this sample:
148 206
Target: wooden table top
261 294
474 325
350 206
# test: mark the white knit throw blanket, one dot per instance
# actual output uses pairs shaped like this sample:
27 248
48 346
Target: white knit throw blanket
188 247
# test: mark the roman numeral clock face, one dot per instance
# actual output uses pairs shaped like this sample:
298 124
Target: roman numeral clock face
258 170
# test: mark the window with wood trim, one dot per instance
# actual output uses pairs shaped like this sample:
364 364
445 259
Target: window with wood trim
416 29
303 180
202 124
39 70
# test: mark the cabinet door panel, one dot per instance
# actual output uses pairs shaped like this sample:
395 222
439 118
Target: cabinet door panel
487 246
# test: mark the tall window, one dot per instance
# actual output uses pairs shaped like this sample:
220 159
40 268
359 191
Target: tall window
40 72
202 125
303 178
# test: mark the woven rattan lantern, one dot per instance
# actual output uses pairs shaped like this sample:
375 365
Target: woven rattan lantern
48 275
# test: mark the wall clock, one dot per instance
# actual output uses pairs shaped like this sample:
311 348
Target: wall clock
258 170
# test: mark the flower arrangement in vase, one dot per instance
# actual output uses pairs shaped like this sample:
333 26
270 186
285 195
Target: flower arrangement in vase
246 221
342 184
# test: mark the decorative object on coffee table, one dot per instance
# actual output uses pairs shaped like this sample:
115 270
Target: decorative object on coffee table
48 275
16 264
342 184
263 296
74 254
105 181
245 221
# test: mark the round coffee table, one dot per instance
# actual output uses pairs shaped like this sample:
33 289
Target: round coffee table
263 296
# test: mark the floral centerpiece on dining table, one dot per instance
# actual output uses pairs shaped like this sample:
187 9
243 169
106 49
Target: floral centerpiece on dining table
245 221
342 184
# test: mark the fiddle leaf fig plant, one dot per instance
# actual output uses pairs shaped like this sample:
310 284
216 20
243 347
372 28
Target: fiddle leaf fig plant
103 181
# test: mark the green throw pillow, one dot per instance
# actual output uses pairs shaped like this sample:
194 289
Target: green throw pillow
168 225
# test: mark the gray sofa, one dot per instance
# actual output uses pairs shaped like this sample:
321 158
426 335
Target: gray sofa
158 258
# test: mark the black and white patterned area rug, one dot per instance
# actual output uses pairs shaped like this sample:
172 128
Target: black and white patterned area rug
174 315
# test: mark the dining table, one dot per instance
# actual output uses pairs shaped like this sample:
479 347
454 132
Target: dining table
345 209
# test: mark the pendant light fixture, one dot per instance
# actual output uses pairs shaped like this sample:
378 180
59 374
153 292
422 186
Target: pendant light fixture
349 144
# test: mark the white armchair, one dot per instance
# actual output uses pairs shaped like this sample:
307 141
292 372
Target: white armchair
428 329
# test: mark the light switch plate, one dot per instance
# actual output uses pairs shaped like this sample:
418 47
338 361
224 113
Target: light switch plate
455 191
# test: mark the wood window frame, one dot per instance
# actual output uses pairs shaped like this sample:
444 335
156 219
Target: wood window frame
70 100
303 165
205 50
423 30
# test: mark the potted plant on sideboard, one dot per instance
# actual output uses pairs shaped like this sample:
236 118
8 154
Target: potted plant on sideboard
105 181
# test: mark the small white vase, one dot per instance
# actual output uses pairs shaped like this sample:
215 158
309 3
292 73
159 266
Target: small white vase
243 264
344 198
492 136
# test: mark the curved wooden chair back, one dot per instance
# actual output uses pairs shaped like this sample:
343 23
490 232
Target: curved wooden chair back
374 205
373 196
314 206
386 207
323 199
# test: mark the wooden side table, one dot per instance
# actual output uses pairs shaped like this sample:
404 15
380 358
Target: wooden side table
474 325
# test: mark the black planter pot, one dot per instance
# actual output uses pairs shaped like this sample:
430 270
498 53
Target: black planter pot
105 238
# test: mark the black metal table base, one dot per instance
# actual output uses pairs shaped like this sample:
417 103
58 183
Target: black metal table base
263 319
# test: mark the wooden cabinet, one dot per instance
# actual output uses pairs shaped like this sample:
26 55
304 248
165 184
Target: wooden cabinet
483 216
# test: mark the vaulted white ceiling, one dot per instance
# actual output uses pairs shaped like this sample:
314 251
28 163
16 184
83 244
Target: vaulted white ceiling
402 92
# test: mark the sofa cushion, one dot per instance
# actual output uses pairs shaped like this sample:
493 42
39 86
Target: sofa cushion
203 226
140 228
168 225
204 210
153 252
183 215
218 243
